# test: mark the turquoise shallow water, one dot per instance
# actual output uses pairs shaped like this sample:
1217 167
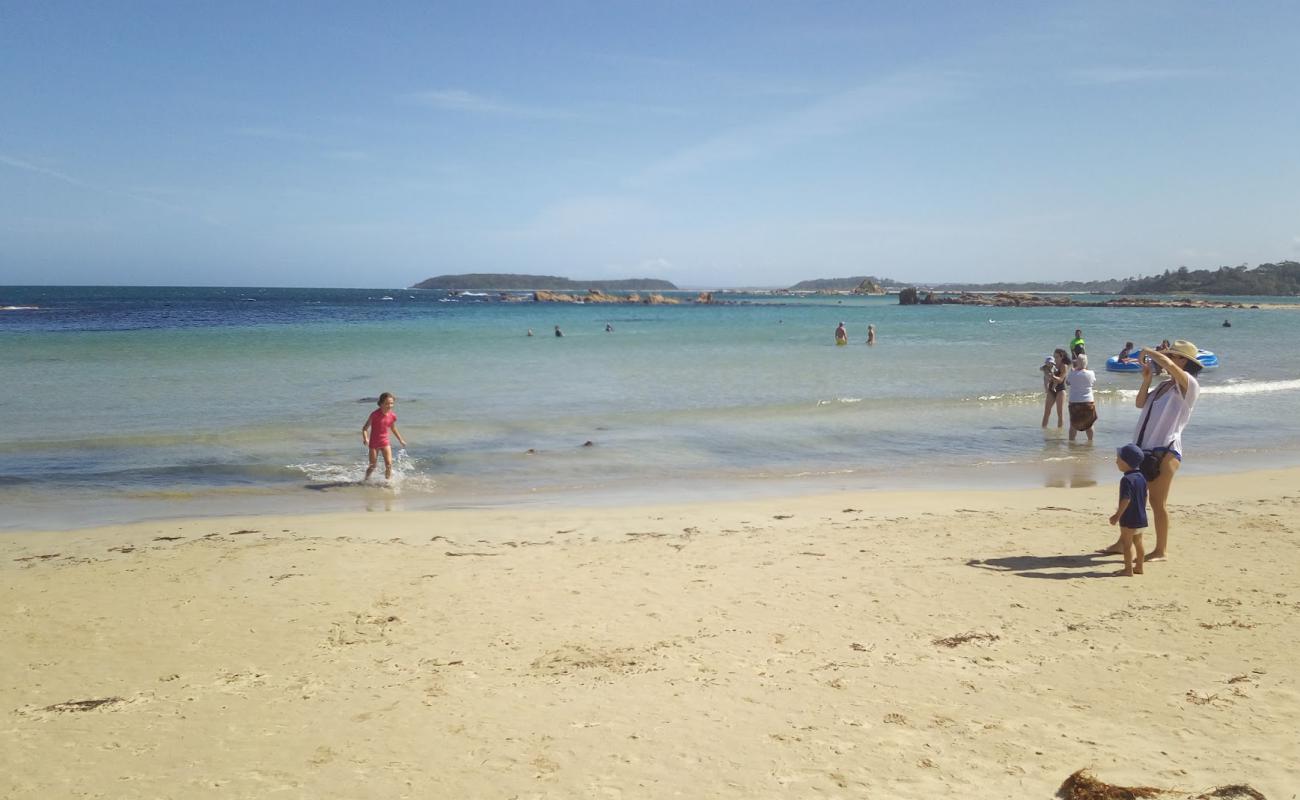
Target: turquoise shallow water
128 403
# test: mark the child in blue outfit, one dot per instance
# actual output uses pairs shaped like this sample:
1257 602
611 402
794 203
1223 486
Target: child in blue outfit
1131 515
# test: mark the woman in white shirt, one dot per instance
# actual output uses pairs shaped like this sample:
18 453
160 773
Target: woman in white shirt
1165 413
1083 409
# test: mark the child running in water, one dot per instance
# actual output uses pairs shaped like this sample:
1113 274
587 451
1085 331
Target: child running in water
1131 516
374 434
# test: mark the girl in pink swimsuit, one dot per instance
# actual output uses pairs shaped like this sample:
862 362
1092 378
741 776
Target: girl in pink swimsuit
374 434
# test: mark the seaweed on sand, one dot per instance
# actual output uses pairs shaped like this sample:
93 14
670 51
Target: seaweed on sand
1237 791
1082 786
963 638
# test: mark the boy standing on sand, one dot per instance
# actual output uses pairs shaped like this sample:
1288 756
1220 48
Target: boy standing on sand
374 434
1132 512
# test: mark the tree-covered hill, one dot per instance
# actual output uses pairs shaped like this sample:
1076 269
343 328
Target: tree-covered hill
1282 278
839 284
1266 279
495 281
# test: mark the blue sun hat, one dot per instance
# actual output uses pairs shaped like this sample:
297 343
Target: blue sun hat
1131 454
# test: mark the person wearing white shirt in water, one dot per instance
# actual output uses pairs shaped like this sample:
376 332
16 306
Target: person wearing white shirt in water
1165 413
1083 409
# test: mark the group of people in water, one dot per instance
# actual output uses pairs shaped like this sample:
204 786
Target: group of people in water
1152 459
1149 462
842 334
1066 372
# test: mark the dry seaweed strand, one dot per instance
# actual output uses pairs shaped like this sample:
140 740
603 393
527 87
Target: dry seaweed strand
963 638
1082 786
83 705
1237 791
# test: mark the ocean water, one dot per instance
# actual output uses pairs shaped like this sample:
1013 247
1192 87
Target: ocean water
133 403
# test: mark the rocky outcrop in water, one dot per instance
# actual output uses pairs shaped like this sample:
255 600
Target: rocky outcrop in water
597 296
910 296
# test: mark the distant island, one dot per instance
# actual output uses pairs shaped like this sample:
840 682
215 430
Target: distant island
861 282
506 282
1278 279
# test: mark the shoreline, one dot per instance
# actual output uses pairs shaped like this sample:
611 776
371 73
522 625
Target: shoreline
782 645
1077 466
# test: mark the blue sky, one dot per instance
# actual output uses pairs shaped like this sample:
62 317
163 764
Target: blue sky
712 144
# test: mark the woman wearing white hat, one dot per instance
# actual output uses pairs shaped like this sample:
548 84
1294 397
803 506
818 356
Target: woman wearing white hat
1165 413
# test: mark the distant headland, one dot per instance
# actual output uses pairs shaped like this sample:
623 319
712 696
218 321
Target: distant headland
506 282
1264 280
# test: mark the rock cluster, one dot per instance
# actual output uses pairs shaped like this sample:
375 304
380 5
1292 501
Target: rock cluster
909 297
597 296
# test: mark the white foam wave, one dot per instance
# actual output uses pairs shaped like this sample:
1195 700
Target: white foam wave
844 400
20 308
1252 387
406 473
819 473
1237 388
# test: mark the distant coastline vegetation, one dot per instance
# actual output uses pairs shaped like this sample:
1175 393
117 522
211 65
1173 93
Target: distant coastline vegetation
498 282
1282 278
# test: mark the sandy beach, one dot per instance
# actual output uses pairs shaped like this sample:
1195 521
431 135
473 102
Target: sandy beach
901 645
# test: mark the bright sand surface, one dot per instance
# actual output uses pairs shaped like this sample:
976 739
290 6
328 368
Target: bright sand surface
769 648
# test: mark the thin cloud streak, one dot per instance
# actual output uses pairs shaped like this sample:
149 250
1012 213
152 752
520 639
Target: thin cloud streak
831 116
276 135
1108 76
459 100
19 163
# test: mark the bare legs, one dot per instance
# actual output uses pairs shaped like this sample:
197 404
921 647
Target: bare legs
388 462
1053 399
1074 432
1131 541
1158 491
1158 494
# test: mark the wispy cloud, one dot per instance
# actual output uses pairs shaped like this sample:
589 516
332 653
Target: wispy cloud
274 134
1196 254
829 116
63 177
579 217
348 155
459 100
1106 76
19 163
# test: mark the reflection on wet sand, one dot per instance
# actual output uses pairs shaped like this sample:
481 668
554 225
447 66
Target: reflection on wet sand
1076 472
1067 466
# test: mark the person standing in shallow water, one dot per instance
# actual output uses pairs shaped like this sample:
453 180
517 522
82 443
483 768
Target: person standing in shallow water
1054 372
1083 407
871 334
374 434
1076 344
558 332
841 335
